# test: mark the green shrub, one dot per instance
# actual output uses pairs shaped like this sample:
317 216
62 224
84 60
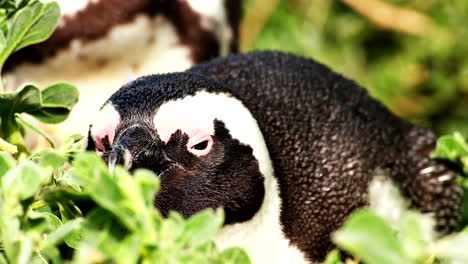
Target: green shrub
24 23
50 208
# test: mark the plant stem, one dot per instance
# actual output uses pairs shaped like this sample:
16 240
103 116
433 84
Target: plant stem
2 90
5 146
39 204
36 129
13 134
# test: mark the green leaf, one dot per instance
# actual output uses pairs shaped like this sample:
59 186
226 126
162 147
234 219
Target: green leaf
22 22
465 230
11 233
74 239
22 3
148 184
70 141
61 233
7 147
7 4
23 181
173 228
103 231
464 162
234 255
43 27
46 256
72 145
6 102
51 115
2 41
88 254
58 100
453 248
68 211
48 221
201 227
27 99
128 250
6 162
450 147
415 235
61 95
87 167
2 259
49 158
25 251
370 238
333 258
93 173
62 194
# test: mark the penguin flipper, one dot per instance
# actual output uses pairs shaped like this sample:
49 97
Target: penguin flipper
428 183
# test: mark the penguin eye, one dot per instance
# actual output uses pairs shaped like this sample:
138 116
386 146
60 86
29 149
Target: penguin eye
201 146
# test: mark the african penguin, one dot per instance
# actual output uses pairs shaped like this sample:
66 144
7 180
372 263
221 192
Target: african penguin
286 146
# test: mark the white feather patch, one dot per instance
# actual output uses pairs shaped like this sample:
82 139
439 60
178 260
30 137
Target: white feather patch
213 15
261 236
71 7
199 112
387 201
105 120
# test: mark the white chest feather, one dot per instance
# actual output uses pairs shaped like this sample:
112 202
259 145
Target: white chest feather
261 236
387 201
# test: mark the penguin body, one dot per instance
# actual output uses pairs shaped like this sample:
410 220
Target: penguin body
286 146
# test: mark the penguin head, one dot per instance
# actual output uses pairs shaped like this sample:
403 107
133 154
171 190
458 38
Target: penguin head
203 143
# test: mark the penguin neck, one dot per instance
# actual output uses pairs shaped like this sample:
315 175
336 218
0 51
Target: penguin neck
262 236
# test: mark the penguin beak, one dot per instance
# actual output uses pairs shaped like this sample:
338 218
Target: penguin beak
132 141
119 155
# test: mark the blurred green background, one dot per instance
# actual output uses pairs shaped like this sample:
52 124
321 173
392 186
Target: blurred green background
410 54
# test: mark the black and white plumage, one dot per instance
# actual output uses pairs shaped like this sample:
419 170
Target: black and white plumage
287 147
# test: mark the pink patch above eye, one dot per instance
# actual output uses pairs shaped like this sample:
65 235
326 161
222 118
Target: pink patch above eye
101 132
200 143
168 122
